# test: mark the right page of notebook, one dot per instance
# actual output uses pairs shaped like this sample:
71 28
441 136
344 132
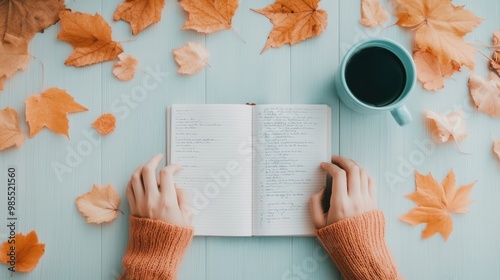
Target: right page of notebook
290 142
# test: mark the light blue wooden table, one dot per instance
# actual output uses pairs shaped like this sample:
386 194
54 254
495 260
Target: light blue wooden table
238 74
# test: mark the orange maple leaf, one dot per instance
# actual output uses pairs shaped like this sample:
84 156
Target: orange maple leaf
436 202
90 36
486 93
23 19
124 69
99 205
105 124
208 16
440 28
10 132
50 109
294 21
27 252
445 127
430 72
139 13
372 13
13 57
191 58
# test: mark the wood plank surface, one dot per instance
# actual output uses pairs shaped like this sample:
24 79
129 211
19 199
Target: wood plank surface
53 170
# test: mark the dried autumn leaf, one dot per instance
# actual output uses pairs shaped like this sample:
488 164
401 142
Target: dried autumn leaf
10 132
124 69
208 16
495 61
50 109
436 202
486 94
496 148
191 58
90 37
294 21
430 72
105 124
28 252
13 57
139 13
440 28
23 19
447 126
100 205
372 13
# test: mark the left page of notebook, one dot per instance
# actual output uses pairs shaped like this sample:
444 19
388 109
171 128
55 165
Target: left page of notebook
208 141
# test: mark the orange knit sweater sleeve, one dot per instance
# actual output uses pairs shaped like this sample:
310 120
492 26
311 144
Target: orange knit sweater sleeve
155 249
357 246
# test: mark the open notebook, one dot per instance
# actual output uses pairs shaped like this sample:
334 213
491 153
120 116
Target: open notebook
250 170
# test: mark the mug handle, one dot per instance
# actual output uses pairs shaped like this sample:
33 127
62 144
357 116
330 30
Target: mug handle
401 115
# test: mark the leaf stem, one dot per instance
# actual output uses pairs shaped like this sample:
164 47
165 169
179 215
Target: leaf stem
43 73
239 35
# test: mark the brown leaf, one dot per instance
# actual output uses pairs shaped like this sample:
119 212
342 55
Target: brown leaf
372 13
105 124
294 21
100 205
27 251
486 94
139 13
90 36
10 132
495 62
124 69
13 57
440 28
447 126
430 72
208 16
191 58
435 203
22 19
50 109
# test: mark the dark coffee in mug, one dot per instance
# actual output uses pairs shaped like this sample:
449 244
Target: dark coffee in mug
375 76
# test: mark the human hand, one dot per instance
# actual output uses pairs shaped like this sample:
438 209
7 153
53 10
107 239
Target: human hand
157 197
353 193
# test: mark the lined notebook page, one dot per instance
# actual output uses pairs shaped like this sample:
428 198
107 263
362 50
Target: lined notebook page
213 144
290 142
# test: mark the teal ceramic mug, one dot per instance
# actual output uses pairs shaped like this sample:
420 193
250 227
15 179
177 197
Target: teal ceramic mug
396 107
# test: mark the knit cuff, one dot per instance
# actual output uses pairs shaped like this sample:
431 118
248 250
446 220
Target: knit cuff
155 249
357 246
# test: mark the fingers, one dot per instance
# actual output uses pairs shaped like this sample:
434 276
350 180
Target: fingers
183 200
167 185
131 199
316 208
364 178
339 181
148 173
371 187
182 196
353 174
136 183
